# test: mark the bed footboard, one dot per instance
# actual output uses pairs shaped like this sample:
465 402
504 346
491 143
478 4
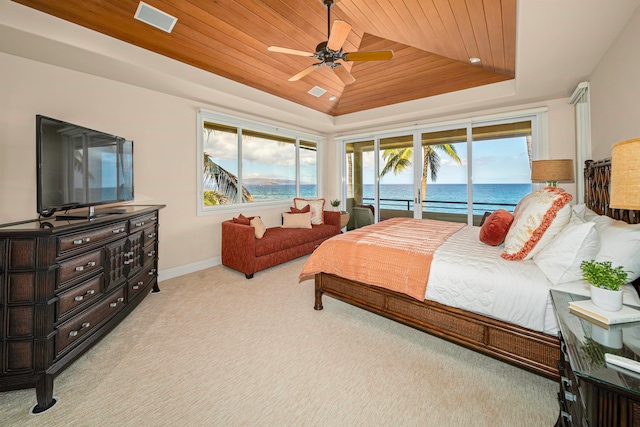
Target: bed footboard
525 348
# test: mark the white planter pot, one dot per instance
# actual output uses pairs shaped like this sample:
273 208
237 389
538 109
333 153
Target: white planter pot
606 299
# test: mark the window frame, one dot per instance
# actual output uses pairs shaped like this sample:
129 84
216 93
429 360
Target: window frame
255 126
539 132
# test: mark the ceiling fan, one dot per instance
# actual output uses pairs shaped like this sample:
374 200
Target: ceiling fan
329 53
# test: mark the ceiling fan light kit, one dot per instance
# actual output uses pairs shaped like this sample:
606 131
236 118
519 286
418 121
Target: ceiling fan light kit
330 52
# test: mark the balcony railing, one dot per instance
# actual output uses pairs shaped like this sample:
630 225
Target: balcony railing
441 206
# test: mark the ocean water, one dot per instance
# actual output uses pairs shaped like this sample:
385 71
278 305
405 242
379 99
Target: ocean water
448 198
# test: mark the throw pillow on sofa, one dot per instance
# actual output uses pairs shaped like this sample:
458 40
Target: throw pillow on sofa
241 219
317 208
296 220
257 223
303 210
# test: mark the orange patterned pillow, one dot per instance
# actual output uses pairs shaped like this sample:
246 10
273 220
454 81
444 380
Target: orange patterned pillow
316 206
537 218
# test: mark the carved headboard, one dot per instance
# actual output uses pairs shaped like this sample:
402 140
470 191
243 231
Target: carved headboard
596 192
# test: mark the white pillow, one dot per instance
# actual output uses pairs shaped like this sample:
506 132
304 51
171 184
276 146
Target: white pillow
560 260
619 243
537 218
296 220
317 208
259 227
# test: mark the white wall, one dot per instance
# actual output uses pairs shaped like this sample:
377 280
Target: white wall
163 128
615 92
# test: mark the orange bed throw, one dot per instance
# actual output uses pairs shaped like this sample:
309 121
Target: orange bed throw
395 254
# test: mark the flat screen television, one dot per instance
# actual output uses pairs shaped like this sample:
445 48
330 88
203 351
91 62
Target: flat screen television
80 167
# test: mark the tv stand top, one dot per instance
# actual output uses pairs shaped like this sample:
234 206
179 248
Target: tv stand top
61 225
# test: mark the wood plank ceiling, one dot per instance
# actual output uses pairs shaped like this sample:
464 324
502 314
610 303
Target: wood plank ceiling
432 40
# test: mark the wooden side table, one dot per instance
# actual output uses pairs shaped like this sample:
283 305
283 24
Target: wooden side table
344 219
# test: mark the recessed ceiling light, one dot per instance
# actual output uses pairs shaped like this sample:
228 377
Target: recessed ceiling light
474 60
332 98
317 91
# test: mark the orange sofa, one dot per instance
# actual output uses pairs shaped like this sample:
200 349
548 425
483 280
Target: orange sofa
242 251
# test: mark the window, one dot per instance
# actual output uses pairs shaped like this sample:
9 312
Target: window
243 162
452 171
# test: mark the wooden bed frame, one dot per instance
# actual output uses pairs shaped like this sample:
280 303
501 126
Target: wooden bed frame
535 351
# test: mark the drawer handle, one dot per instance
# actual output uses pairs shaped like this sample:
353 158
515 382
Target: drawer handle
566 380
566 415
151 235
570 397
152 272
87 265
85 325
115 304
81 297
152 253
137 285
139 224
81 241
118 230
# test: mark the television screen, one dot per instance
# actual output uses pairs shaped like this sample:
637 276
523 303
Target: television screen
79 167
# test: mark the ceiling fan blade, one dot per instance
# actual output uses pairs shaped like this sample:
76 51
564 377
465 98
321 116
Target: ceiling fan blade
376 55
339 33
344 75
304 72
289 51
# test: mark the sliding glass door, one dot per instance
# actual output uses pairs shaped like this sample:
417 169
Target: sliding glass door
453 173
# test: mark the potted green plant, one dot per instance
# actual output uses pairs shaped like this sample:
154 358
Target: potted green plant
605 283
335 203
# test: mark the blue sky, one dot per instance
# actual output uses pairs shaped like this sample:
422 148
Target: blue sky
503 161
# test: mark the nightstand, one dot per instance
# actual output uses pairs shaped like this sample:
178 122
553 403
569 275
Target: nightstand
592 394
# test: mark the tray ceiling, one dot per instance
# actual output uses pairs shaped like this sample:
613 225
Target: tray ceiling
432 40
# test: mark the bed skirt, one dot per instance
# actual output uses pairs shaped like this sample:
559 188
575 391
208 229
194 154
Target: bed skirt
528 349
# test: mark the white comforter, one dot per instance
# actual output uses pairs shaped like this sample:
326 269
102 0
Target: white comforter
467 274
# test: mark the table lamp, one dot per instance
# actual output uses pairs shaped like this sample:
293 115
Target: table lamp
552 171
625 175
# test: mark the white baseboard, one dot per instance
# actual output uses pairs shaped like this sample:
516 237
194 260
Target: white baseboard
189 268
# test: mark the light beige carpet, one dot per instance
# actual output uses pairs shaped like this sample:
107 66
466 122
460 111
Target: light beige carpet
216 349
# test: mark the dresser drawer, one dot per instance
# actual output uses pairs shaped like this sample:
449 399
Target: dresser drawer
143 222
79 295
149 236
73 331
142 280
86 238
149 254
79 266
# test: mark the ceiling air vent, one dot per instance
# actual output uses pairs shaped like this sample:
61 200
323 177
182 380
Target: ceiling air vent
317 91
155 17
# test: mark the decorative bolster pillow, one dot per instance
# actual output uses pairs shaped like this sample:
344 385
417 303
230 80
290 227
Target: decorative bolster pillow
496 227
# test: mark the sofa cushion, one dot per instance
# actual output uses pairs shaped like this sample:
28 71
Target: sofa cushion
278 239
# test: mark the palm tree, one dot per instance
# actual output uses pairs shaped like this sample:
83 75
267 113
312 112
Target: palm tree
398 159
225 184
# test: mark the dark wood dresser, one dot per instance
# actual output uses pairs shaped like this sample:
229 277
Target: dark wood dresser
64 285
593 393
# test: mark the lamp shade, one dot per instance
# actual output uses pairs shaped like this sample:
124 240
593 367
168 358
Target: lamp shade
625 175
560 170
